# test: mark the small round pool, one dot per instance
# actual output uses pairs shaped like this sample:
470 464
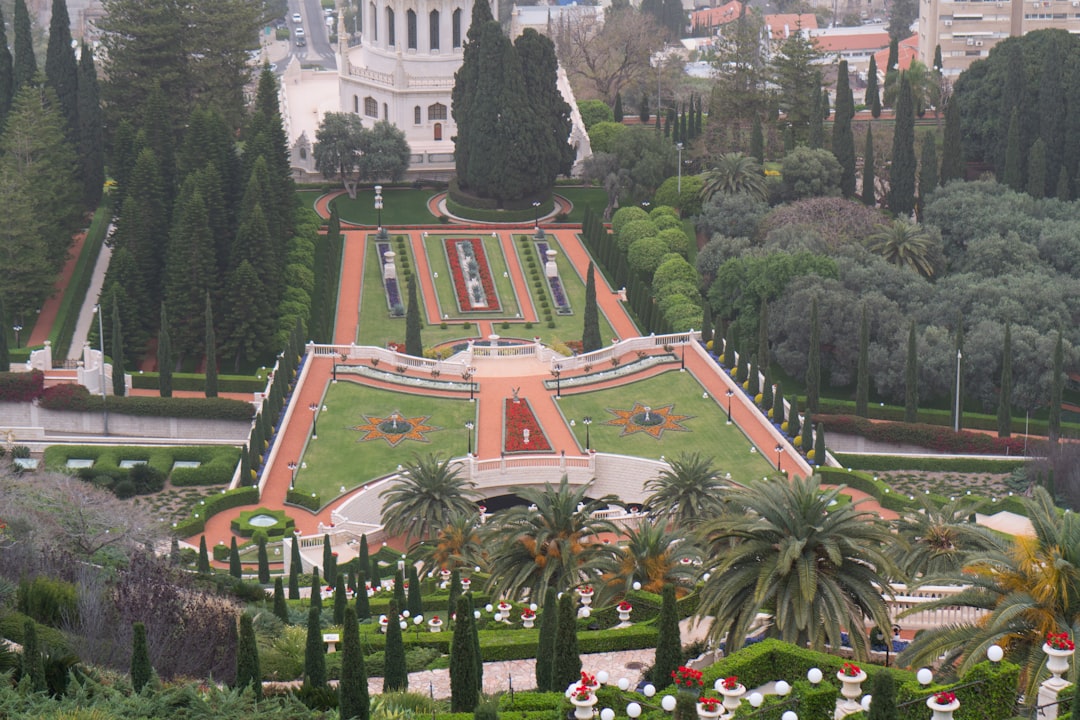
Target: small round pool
263 521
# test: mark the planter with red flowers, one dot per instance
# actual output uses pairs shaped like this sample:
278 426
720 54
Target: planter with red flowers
687 679
586 593
943 705
851 677
528 618
624 609
435 624
583 698
1058 648
709 708
733 691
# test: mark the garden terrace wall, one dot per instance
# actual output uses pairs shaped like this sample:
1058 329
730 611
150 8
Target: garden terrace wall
31 422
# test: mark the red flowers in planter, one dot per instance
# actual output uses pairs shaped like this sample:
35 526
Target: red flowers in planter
460 274
850 670
944 698
687 677
1060 641
518 417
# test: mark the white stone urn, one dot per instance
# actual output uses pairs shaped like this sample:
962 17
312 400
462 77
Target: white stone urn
1057 661
732 697
851 689
466 583
709 714
383 622
435 624
528 621
624 614
942 712
586 595
583 709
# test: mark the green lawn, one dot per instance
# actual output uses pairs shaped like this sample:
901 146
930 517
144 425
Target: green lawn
583 197
400 207
708 431
338 458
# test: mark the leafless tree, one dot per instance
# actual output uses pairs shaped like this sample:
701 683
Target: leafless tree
606 58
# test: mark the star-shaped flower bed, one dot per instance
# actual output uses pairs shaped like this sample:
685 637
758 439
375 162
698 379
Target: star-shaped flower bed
395 429
645 419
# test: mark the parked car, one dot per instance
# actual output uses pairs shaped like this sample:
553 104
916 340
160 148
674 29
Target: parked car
301 42
299 32
296 18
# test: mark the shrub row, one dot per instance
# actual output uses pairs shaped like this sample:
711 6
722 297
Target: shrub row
900 502
885 463
471 204
67 314
934 437
211 506
21 386
218 463
928 416
77 398
310 501
196 382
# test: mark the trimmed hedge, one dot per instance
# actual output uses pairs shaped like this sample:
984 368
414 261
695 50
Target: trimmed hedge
473 203
934 437
67 314
217 468
207 508
885 463
973 421
196 382
244 528
310 501
77 398
21 386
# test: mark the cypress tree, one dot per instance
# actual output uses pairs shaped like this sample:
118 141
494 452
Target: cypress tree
617 111
91 126
33 664
61 70
1006 384
869 196
463 682
669 643
211 351
1061 190
328 559
25 66
141 670
399 589
1011 173
395 675
742 371
545 647
414 345
952 159
566 664
363 603
788 136
862 374
892 70
316 589
843 139
643 109
806 440
353 699
174 551
590 334
938 64
204 558
455 592
296 566
767 390
264 561
376 572
1057 389
779 416
314 653
928 168
1036 186
757 141
164 357
363 558
902 175
911 378
119 387
873 95
958 422
816 132
706 322
813 361
819 445
793 418
476 647
5 355
247 658
729 347
825 103
754 378
235 568
883 698
281 608
763 335
415 604
341 599
7 81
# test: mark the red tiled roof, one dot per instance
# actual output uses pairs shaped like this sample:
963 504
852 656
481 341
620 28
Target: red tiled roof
842 43
791 21
907 50
712 17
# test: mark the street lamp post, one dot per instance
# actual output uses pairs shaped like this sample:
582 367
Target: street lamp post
467 376
468 430
587 420
101 364
956 409
729 394
678 146
292 469
378 208
17 328
558 383
779 454
536 214
314 408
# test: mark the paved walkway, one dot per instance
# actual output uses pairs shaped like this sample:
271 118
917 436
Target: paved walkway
39 333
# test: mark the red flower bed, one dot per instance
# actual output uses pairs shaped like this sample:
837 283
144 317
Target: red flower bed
460 287
517 417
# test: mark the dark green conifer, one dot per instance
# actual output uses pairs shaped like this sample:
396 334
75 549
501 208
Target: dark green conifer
25 66
399 590
91 143
413 599
363 558
329 566
204 557
869 196
1011 173
806 440
235 568
7 80
1036 185
779 416
819 445
211 351
264 561
668 644
61 69
314 653
873 94
353 699
395 674
617 111
463 681
545 649
118 380
757 141
862 374
1061 190
341 599
363 603
643 109
952 159
1057 390
281 608
911 378
414 345
33 663
1005 387
883 698
793 418
843 138
590 334
141 670
247 658
455 592
958 412
5 354
566 666
316 589
902 173
164 356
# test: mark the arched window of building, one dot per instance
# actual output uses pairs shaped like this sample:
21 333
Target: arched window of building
374 24
391 35
433 27
371 107
416 116
410 23
456 24
438 131
436 112
356 104
386 112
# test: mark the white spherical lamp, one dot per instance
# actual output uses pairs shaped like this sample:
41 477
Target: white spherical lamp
476 614
782 687
602 677
994 653
755 699
404 613
534 607
924 676
586 612
404 624
789 715
637 585
418 619
624 684
668 703
814 676
489 607
633 710
607 714
866 700
649 690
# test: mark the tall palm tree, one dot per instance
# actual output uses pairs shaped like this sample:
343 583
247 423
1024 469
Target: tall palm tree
1029 585
552 543
456 545
735 173
906 244
783 549
427 497
654 556
688 491
938 539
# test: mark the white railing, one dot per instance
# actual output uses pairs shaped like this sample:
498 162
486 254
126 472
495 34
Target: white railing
391 358
505 351
604 356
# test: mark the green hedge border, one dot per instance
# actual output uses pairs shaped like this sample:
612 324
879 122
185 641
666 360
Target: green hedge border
196 382
885 463
207 508
927 416
242 527
900 502
68 313
217 468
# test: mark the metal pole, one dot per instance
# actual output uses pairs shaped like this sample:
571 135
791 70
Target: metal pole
17 329
101 345
468 432
779 454
314 421
588 421
679 186
956 416
729 394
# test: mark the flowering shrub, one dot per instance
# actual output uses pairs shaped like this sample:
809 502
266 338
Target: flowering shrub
518 416
687 677
625 606
850 670
21 387
944 698
66 397
1060 641
709 704
730 683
